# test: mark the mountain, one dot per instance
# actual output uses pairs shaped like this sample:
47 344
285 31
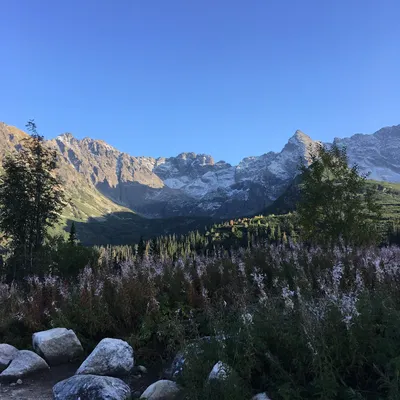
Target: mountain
87 200
377 154
99 219
187 185
103 181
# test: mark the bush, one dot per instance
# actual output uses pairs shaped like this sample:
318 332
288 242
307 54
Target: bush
296 322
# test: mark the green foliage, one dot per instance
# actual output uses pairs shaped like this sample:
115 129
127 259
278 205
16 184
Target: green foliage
31 199
335 201
295 321
64 258
72 239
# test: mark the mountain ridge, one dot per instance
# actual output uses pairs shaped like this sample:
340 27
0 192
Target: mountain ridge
191 184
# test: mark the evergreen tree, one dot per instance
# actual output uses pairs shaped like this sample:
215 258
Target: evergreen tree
31 197
141 247
72 239
335 202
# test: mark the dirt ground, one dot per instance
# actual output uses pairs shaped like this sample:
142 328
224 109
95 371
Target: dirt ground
39 386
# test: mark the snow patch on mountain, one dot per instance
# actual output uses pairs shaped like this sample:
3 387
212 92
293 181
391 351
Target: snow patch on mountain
193 184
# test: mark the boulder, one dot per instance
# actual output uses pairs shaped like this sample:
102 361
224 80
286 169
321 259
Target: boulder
24 363
220 372
7 353
261 396
194 348
57 346
111 357
176 367
161 390
91 387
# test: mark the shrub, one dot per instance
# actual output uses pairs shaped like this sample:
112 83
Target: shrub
296 322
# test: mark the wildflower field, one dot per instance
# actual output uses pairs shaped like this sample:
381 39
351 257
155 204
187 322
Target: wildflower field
296 321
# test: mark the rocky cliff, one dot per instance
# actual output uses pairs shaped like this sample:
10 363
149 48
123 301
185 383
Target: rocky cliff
194 184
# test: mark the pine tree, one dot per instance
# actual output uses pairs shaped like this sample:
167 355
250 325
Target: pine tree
141 247
72 239
31 197
335 201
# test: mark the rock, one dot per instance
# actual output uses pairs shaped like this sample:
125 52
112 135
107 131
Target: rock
19 382
57 346
219 372
111 357
195 348
24 363
142 369
161 390
91 387
261 396
7 353
177 366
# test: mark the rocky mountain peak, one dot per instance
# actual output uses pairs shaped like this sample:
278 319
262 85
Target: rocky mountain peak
200 159
301 138
389 132
193 184
67 136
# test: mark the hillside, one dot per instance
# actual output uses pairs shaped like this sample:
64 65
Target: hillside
388 195
84 200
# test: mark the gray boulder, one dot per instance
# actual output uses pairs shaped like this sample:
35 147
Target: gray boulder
91 387
111 357
161 390
7 353
24 363
57 346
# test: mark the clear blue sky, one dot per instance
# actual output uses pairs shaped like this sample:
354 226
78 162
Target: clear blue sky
225 77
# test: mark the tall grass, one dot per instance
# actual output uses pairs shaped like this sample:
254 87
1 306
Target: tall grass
297 322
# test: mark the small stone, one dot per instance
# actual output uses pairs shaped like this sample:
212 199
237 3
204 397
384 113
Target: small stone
142 369
19 382
219 372
13 384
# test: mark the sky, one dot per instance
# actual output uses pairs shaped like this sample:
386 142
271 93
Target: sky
230 78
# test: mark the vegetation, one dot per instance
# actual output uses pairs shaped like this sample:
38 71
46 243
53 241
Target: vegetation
120 228
303 306
335 202
31 199
298 322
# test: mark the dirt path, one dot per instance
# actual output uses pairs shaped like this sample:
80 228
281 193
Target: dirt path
39 386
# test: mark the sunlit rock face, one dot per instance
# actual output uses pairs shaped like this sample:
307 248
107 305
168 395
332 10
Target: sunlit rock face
194 184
